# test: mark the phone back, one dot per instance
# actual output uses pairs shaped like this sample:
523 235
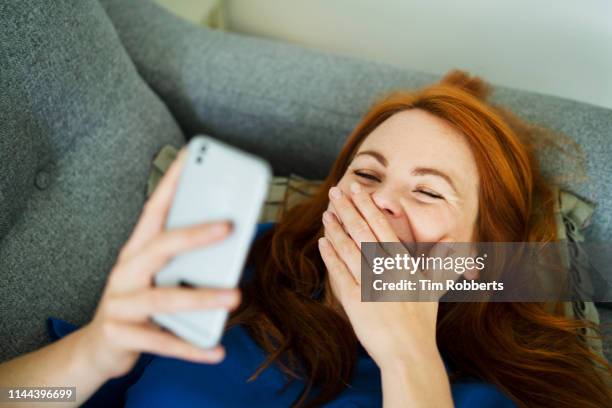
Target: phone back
218 182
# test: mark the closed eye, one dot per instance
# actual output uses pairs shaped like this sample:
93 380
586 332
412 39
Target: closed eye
366 175
372 177
429 193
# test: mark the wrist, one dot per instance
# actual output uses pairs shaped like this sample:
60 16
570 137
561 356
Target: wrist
408 358
89 352
411 351
422 379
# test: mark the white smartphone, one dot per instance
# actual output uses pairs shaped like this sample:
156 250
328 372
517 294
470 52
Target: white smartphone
217 182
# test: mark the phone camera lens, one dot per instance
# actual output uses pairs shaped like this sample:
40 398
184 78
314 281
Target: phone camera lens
184 284
199 160
203 148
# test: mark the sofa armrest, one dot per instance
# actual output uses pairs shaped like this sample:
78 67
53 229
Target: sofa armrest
273 99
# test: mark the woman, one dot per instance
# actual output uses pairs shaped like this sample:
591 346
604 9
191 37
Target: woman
436 165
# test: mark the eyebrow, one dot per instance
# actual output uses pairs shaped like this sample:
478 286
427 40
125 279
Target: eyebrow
379 157
423 171
419 171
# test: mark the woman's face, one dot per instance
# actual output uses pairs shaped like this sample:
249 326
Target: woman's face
422 158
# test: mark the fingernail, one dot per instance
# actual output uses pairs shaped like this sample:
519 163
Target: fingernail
335 192
322 242
220 228
211 355
228 298
327 216
355 187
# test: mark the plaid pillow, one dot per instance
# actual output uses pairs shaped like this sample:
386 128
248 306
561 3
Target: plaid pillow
286 192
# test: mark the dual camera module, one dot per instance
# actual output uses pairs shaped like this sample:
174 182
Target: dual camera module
202 151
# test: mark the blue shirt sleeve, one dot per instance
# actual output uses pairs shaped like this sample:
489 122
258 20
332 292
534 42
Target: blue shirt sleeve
479 394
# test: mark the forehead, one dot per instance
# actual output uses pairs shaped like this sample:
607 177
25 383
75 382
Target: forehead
415 132
416 138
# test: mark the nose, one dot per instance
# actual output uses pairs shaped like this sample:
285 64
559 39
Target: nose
388 201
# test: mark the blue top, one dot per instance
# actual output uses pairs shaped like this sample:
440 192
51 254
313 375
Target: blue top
157 381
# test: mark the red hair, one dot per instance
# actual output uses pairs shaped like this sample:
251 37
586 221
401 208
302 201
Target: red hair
533 355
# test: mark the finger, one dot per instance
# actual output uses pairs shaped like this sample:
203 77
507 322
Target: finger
155 210
435 254
138 271
150 338
350 218
373 215
343 245
342 281
140 305
440 251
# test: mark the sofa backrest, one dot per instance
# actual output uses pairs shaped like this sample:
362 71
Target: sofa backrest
296 106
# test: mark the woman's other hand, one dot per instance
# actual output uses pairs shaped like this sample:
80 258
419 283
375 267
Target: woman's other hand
399 336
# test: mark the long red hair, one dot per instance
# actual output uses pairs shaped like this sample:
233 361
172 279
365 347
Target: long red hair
531 353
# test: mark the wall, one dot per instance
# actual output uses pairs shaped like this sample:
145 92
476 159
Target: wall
558 47
192 10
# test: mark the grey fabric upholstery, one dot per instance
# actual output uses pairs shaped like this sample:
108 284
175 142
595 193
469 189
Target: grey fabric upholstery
82 119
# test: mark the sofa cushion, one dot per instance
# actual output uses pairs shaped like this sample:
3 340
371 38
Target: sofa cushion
79 128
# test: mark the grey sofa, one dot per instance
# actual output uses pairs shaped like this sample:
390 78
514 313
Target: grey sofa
90 91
